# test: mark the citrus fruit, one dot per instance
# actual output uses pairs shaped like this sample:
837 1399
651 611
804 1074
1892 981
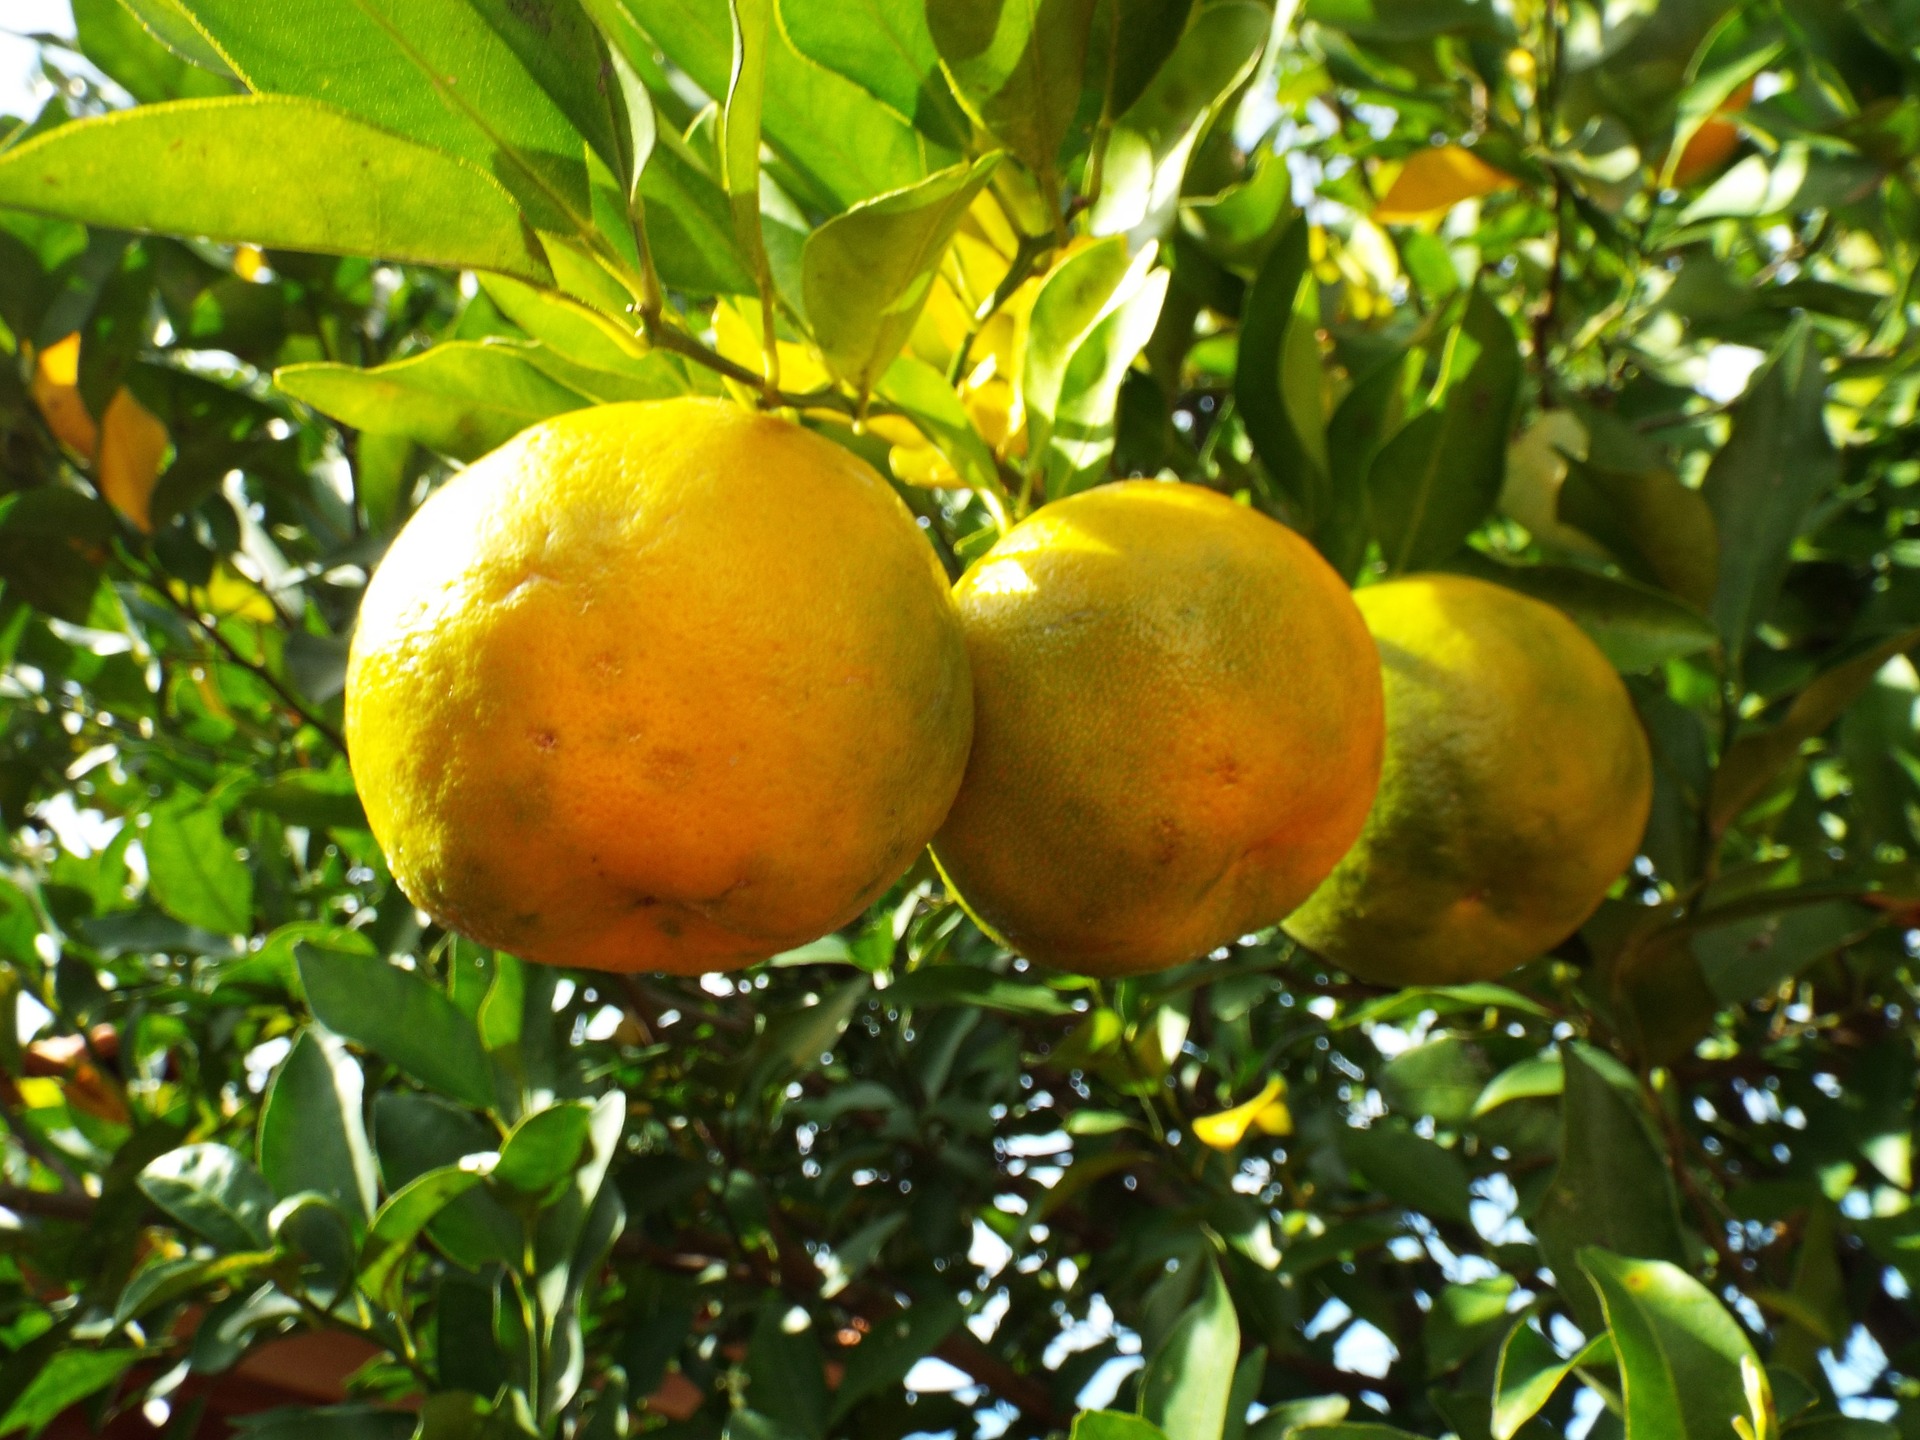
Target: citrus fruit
664 686
1177 728
1516 787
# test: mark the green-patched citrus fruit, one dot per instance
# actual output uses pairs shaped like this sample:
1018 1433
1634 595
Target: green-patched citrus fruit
659 686
1516 788
1177 728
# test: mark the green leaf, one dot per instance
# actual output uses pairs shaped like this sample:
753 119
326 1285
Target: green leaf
1752 955
894 1345
1412 1171
1184 1391
795 1041
311 798
564 1234
967 985
689 223
193 870
275 171
926 398
786 1380
1389 21
1661 531
1070 301
400 1017
168 22
415 1133
740 133
312 1132
1463 1319
1442 1000
460 398
1017 66
1148 147
1082 434
64 1381
112 37
1441 1078
582 334
1681 1354
1436 480
1357 1430
49 539
215 1192
332 1422
544 1148
1753 761
1637 627
866 274
837 143
887 47
1612 1186
1530 1370
1114 1425
1532 1079
1763 482
1796 178
446 74
398 1224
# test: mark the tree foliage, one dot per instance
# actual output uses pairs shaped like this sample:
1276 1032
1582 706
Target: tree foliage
1613 304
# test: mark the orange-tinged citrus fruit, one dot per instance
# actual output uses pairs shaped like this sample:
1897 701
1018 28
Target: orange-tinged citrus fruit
659 686
1516 787
1177 728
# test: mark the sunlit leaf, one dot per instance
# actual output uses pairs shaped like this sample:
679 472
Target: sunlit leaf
277 171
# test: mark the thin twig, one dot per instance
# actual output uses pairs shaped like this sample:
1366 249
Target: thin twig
227 648
1025 256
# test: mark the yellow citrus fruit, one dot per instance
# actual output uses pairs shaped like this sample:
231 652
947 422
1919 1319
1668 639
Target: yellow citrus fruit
661 686
1516 788
1177 728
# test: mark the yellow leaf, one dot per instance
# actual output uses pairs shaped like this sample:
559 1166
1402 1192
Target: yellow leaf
736 335
227 595
897 430
133 443
1434 180
995 409
922 465
1226 1129
1274 1119
41 1092
56 390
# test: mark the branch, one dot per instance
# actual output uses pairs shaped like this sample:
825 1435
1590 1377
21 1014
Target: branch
227 648
52 1204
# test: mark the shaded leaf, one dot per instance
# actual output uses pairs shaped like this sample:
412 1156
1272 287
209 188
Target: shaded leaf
1184 1391
1636 627
399 1222
1017 66
1752 761
400 1017
193 870
312 1131
1148 146
215 1192
1439 477
1612 1186
1765 479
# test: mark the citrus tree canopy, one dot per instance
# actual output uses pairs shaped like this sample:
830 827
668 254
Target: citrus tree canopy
1598 313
